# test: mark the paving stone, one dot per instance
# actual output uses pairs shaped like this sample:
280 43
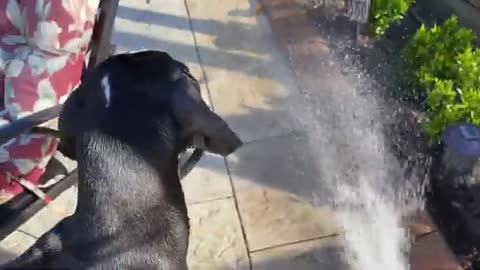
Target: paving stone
158 25
15 244
219 216
431 252
26 235
216 240
249 79
314 255
46 218
420 223
275 181
207 181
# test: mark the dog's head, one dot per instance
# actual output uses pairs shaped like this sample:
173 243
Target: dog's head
150 89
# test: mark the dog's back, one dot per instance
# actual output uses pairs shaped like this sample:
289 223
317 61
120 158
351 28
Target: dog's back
139 219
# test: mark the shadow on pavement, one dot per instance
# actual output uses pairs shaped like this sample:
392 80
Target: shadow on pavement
5 255
287 258
223 33
246 12
127 41
285 162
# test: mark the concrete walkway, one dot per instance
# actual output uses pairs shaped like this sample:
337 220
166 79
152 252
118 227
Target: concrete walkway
252 210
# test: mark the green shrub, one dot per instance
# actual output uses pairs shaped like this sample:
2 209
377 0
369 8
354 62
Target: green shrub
446 66
445 109
432 52
386 12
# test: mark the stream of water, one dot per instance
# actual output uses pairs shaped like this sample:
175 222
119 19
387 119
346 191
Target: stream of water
367 185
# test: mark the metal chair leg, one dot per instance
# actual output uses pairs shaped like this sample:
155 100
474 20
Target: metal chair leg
101 47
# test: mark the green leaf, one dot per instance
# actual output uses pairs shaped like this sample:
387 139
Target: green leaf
387 12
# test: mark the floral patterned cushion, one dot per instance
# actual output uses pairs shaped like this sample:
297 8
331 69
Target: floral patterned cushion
42 46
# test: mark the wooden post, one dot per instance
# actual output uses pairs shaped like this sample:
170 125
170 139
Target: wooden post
358 12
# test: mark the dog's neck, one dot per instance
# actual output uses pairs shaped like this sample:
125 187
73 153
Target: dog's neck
117 179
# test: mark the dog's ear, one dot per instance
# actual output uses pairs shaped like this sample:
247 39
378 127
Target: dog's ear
196 118
80 113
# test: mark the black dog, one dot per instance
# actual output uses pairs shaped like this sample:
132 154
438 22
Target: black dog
126 125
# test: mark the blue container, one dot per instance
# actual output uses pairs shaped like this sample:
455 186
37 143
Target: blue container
463 138
462 141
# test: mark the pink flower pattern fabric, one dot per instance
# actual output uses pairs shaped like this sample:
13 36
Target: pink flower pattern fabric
42 52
